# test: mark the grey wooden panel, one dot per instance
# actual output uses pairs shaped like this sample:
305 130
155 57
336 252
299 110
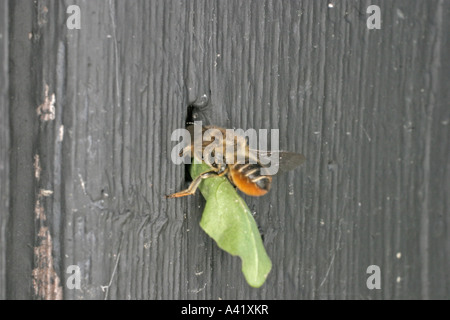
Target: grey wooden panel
368 108
4 143
22 108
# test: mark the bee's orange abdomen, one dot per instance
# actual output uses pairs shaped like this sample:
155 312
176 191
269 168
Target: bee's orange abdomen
244 184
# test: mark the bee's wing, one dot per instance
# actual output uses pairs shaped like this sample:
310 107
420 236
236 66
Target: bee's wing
286 160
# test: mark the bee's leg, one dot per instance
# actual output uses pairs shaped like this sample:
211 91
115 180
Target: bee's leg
191 151
193 186
223 171
185 150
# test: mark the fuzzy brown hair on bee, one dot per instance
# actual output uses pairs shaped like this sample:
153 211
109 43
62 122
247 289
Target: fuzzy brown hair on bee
240 164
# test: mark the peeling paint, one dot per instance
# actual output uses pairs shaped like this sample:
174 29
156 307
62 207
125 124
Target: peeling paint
37 167
46 111
45 193
46 282
39 211
61 133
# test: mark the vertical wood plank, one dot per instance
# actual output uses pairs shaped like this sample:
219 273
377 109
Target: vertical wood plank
22 108
4 143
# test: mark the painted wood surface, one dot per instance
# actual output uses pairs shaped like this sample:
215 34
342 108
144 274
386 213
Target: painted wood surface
87 117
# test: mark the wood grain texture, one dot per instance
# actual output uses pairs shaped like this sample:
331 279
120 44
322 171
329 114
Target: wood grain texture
368 108
4 143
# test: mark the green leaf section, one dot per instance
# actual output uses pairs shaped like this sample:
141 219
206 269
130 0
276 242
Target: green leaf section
228 220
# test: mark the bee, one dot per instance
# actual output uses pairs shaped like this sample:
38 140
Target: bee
248 176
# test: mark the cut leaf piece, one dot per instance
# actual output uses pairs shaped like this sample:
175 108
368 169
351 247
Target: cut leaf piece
228 220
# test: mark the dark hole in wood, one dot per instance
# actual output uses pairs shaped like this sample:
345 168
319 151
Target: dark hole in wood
191 111
196 111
